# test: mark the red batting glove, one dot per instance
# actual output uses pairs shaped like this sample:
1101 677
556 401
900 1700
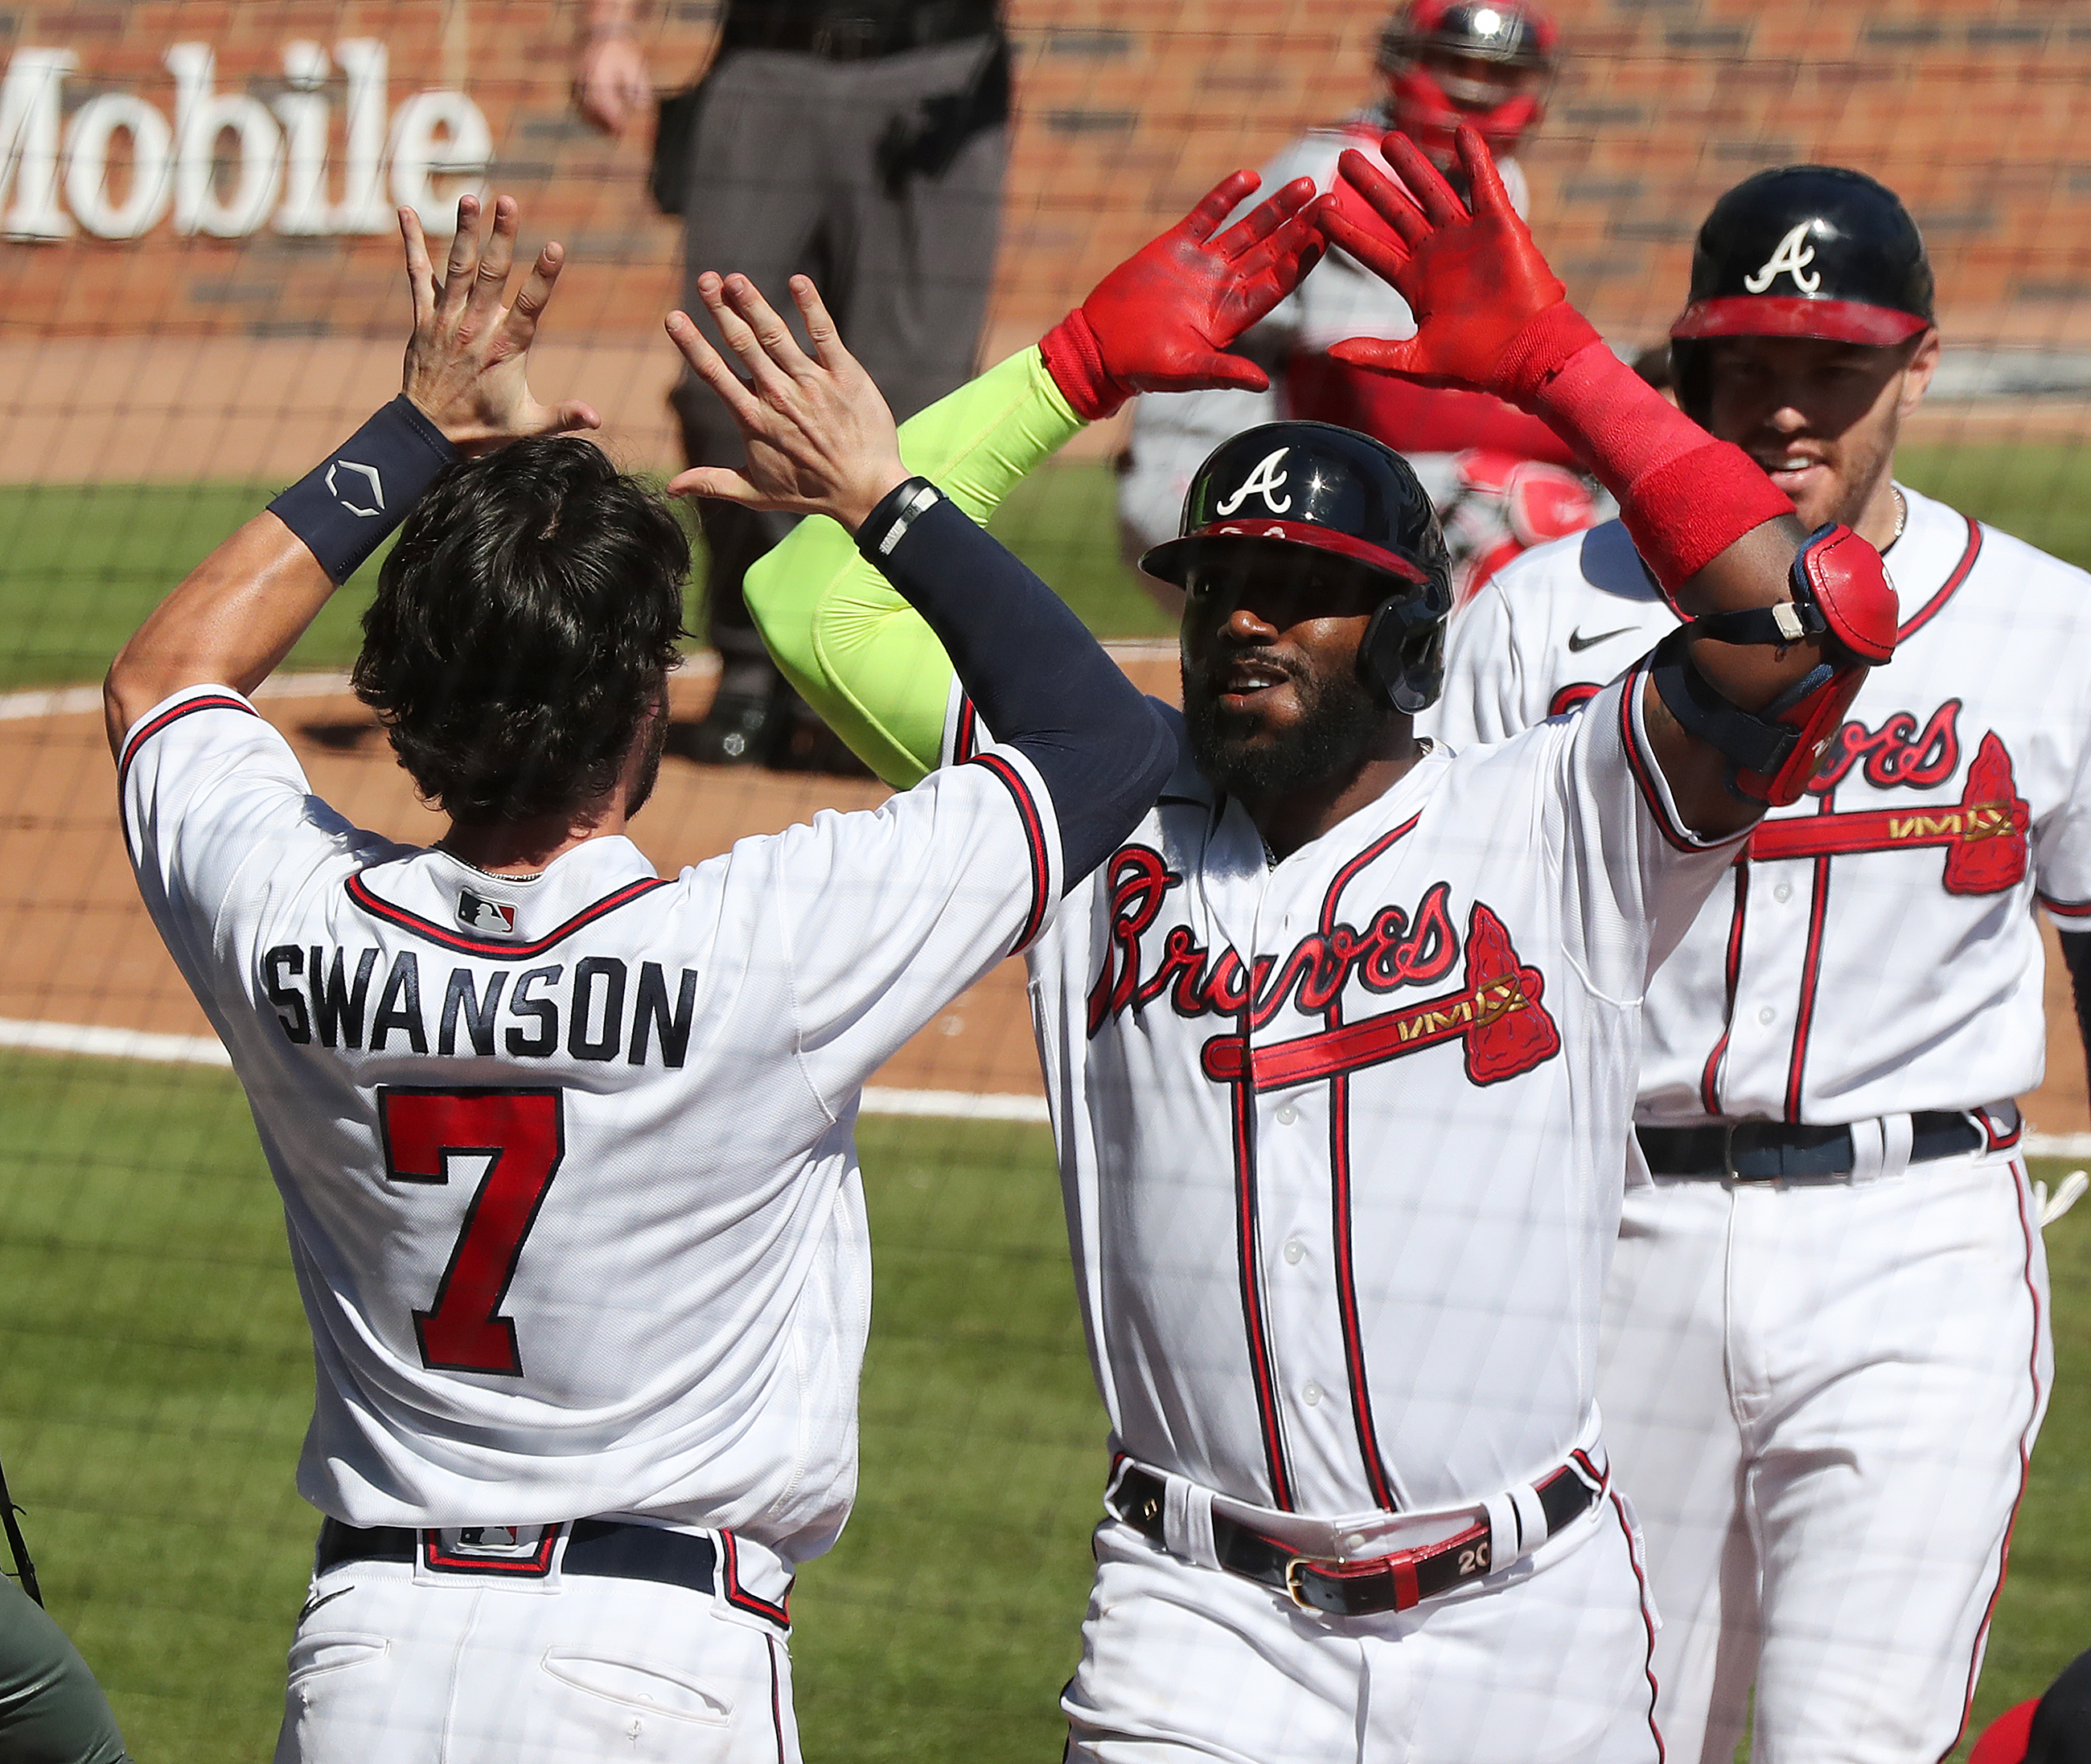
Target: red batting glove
1490 314
1163 320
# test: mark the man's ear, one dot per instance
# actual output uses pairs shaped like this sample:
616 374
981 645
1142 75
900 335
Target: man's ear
1917 377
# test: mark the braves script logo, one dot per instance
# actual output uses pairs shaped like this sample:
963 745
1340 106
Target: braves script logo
1984 835
1265 481
1497 1012
1793 257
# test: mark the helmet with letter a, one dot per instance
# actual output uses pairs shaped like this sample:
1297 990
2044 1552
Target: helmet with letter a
1486 63
1280 492
1806 250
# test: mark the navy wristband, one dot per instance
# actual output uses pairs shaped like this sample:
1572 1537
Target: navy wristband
893 514
344 509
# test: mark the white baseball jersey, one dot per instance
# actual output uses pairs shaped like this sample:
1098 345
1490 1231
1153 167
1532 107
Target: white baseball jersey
1875 950
1173 432
1342 1137
567 1162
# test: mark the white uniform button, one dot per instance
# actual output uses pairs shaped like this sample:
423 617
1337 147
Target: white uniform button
1767 1016
1355 1540
1294 1250
1783 893
1286 1114
1312 1392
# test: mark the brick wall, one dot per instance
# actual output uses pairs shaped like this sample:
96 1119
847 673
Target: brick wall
1128 110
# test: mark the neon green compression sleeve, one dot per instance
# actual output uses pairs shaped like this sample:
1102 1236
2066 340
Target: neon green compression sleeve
861 654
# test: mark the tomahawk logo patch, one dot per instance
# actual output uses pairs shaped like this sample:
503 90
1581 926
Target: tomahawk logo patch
1793 257
1265 481
493 919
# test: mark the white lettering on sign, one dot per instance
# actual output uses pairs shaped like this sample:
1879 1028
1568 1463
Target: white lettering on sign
226 164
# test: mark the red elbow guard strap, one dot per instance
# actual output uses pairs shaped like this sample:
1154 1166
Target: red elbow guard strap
1842 599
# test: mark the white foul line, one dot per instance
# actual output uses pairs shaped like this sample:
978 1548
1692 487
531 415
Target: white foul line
207 1050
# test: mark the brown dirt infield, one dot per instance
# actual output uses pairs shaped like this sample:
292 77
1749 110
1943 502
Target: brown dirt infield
83 952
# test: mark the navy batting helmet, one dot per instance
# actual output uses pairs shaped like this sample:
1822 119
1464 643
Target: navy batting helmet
1807 251
1281 488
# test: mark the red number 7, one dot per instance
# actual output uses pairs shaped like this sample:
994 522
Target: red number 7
523 1134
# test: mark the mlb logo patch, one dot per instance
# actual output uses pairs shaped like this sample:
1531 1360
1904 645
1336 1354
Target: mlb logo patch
494 919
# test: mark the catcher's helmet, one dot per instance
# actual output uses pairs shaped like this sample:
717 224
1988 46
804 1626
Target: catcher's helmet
1429 104
1283 487
1807 251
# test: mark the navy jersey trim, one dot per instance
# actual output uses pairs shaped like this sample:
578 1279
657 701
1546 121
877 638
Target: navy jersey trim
965 741
1710 1078
1641 763
1926 613
1811 975
1034 835
216 701
1249 1250
741 1598
359 892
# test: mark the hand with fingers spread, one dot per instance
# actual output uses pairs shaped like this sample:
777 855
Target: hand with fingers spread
1489 313
467 362
1163 320
820 438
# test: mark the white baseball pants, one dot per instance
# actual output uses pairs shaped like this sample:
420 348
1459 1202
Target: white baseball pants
385 1666
1546 1664
1821 1399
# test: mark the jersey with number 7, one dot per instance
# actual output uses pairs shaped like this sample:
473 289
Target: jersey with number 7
567 1162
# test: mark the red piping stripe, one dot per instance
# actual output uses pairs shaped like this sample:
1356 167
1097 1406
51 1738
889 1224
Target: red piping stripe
2024 1201
1638 763
1925 613
1811 974
2067 909
1709 1079
1034 834
965 745
186 707
360 893
1648 1623
1249 1252
741 1598
1339 1169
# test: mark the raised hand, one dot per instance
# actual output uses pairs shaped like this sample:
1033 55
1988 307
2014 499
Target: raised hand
610 86
1162 320
1472 276
467 363
820 438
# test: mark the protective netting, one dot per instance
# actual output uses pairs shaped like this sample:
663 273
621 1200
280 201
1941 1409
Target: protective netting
201 294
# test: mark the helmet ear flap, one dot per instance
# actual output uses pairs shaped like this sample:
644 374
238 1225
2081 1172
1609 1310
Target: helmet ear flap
1403 656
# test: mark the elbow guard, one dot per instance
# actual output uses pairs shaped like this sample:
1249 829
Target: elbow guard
1844 600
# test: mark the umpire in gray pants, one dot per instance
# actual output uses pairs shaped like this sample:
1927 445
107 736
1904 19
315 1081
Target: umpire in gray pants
859 142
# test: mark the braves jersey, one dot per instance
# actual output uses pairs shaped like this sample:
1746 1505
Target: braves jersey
567 1162
1874 950
1343 1137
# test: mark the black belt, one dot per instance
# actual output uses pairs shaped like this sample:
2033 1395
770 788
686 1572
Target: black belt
1778 1151
602 1547
1385 1583
855 36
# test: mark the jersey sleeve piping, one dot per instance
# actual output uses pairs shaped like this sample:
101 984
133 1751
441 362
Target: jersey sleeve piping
2078 910
360 893
1035 837
1648 773
209 700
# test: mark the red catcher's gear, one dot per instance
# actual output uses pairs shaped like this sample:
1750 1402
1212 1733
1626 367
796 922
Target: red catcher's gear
1161 322
1429 105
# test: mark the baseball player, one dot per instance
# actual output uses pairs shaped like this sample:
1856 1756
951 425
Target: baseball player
1827 1348
565 1146
51 1710
1340 1045
1500 479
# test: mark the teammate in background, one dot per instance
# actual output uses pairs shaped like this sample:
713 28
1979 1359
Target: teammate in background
565 1148
1340 1046
858 142
1827 1348
1500 480
51 1710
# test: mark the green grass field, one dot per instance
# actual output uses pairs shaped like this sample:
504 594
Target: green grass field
80 566
155 1377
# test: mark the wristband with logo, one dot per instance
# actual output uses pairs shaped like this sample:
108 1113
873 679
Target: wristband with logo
344 509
